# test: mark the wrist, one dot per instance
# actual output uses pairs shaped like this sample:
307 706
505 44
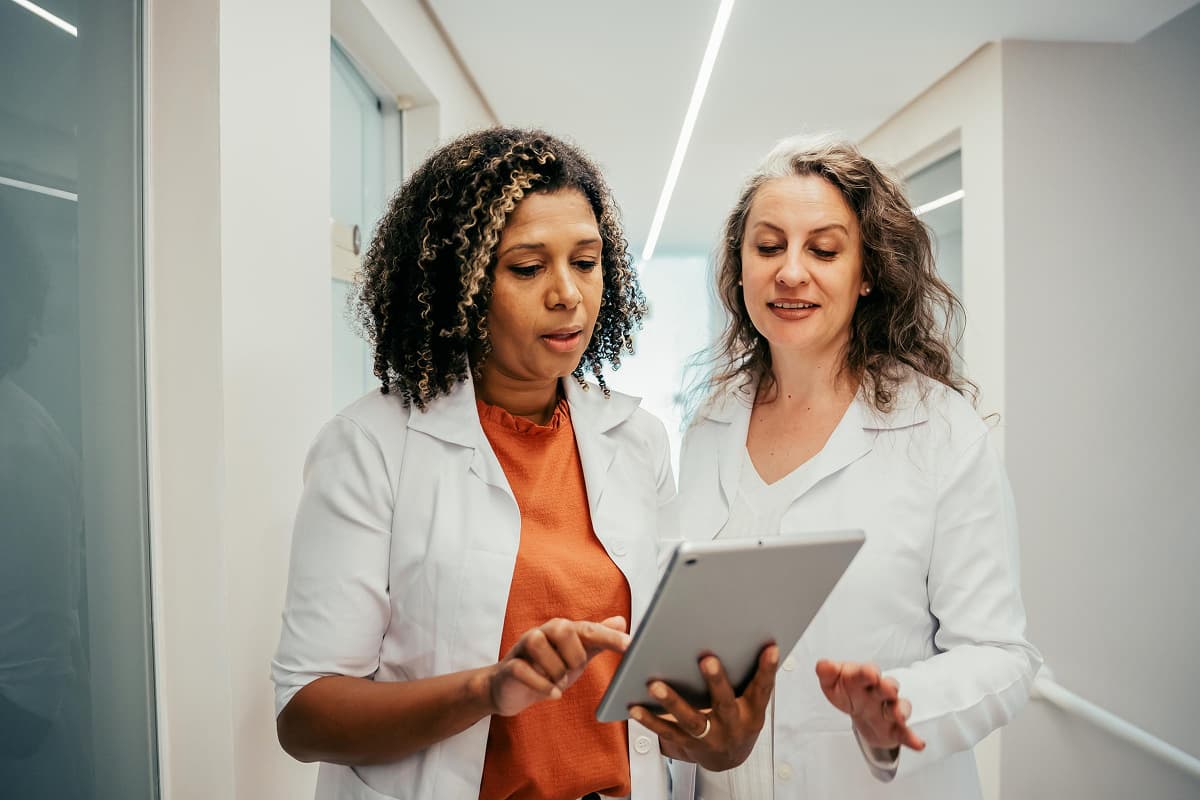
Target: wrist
479 691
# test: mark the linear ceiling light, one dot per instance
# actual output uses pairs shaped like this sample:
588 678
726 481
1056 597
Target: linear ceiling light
689 124
57 22
49 191
946 200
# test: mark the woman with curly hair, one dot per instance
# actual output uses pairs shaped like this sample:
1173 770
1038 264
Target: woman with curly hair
475 538
834 403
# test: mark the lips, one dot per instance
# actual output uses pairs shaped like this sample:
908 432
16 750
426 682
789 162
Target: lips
792 310
563 333
563 340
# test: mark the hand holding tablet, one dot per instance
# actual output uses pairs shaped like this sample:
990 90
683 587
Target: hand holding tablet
723 736
713 635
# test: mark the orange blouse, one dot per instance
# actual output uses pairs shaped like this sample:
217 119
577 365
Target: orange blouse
555 750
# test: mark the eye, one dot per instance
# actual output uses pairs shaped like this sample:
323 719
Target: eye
828 255
770 249
525 271
585 264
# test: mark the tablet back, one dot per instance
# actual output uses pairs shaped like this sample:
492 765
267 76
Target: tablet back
729 598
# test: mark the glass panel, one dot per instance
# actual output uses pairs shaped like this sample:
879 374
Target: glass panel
76 693
683 319
935 193
358 195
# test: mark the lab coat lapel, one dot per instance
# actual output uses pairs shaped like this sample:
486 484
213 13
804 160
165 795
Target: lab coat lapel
852 439
593 416
732 447
849 442
454 418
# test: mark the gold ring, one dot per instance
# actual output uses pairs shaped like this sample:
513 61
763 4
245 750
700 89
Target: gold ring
707 728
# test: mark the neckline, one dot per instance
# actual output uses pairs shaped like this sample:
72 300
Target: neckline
502 419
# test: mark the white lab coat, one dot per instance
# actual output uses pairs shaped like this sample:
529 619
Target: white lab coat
403 552
933 598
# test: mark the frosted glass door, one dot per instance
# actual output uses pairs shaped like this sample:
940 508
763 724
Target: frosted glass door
76 679
358 196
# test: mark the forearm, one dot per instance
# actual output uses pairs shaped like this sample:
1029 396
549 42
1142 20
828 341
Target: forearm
356 721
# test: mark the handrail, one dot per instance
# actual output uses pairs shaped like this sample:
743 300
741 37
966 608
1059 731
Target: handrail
1045 688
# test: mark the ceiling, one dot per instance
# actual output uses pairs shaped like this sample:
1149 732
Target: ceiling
617 75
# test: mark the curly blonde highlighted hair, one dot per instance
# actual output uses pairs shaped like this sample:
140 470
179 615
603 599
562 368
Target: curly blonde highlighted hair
910 321
427 278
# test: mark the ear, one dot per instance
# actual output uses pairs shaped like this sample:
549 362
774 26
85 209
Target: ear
865 290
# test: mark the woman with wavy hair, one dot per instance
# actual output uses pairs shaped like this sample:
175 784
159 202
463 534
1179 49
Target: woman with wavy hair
834 403
476 538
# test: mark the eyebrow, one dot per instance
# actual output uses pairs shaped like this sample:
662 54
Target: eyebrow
542 246
823 229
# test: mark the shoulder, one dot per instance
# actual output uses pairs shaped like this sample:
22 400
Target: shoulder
933 418
618 416
372 432
716 413
724 405
647 425
377 416
623 413
952 417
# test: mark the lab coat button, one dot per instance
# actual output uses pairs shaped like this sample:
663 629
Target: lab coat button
789 664
642 745
784 772
619 550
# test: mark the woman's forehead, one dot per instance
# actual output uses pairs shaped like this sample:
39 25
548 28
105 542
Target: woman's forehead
800 204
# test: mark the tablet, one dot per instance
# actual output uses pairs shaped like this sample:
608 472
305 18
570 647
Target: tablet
731 599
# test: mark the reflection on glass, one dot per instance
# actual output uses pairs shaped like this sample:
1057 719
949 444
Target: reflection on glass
936 194
44 693
74 611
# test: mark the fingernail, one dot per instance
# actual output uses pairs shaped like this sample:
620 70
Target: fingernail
637 714
555 693
659 691
710 666
772 656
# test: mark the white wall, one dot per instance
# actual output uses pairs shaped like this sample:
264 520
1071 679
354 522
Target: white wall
446 102
185 386
238 282
964 110
276 337
1102 187
1081 170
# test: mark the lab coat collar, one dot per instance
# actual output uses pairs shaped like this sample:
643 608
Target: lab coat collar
908 406
454 418
594 416
853 437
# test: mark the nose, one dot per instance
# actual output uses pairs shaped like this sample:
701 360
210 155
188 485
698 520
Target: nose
794 270
562 291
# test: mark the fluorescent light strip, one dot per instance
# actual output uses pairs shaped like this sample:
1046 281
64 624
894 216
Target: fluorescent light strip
689 124
941 201
57 22
36 187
